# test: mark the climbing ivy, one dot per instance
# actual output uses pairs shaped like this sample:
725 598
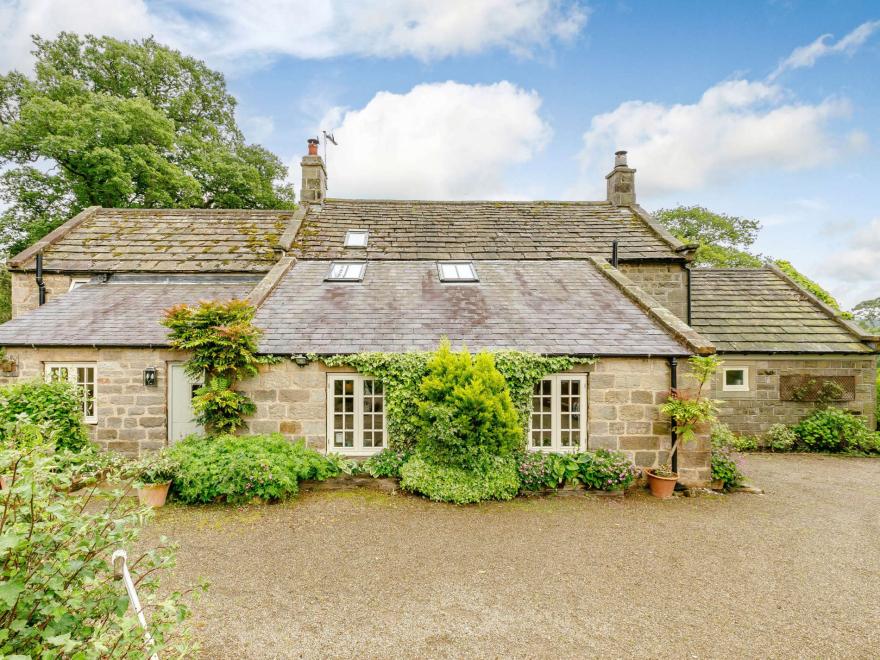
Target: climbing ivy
402 373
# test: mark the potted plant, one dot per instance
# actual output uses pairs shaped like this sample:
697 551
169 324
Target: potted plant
152 476
691 413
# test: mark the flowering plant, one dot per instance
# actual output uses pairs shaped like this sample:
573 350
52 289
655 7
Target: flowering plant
536 470
607 470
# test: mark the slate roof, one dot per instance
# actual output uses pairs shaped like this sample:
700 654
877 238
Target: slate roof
746 311
551 307
123 312
409 230
163 240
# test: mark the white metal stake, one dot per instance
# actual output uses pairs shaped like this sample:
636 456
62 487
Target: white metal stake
119 558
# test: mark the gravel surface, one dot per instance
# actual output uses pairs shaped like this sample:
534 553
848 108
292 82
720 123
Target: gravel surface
792 573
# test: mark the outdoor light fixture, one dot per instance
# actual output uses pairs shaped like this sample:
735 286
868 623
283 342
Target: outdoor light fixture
150 377
301 360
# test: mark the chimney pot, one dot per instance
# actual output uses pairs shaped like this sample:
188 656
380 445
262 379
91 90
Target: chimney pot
620 159
313 147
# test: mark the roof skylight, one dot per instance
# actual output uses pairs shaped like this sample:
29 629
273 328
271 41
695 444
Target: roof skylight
356 238
457 271
347 271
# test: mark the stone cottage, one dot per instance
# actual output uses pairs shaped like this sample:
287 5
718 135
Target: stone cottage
595 279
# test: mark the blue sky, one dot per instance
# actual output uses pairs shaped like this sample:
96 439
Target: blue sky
743 107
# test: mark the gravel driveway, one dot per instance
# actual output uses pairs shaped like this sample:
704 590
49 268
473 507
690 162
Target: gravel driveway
793 573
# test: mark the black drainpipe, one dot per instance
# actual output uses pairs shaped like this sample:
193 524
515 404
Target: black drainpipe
41 285
673 384
614 253
688 269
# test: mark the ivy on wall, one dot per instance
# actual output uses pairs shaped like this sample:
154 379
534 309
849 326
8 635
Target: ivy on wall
402 373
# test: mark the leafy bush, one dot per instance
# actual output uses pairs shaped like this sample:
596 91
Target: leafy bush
220 408
726 468
781 437
496 479
386 463
833 430
745 443
537 470
722 436
465 415
877 408
606 470
58 597
238 469
154 468
55 406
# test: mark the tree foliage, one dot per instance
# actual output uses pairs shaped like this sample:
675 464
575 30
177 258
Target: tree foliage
126 124
867 314
723 240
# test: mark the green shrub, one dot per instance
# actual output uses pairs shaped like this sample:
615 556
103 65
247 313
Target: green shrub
386 463
238 469
606 470
465 415
726 468
781 437
833 430
877 402
722 436
537 470
154 468
497 479
58 598
57 407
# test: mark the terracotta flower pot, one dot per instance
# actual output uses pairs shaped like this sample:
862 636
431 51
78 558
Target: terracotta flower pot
153 495
661 487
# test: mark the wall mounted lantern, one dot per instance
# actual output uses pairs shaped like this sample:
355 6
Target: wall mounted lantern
301 360
151 377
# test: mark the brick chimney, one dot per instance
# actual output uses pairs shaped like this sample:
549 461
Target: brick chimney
621 182
314 176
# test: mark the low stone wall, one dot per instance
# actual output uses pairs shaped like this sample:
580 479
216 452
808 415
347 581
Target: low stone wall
131 417
666 283
754 411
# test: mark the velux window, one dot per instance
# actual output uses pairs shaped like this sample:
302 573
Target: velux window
356 238
347 271
82 377
457 271
355 414
559 420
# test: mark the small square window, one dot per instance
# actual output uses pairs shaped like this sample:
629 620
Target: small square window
356 238
347 271
736 379
457 271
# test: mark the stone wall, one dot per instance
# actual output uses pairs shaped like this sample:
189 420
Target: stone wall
666 283
130 416
752 412
25 295
625 395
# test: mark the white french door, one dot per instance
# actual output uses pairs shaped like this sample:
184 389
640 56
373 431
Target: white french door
559 413
355 415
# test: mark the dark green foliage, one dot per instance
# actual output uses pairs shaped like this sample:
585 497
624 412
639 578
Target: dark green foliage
58 597
386 463
5 295
123 124
726 468
465 414
55 406
154 468
224 345
237 469
496 479
836 430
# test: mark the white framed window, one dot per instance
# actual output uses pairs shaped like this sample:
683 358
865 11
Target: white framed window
77 282
559 413
347 271
457 271
83 377
355 415
356 238
735 379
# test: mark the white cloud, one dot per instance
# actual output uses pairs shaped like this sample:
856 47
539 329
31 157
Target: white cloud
257 128
806 56
437 141
239 34
736 127
855 269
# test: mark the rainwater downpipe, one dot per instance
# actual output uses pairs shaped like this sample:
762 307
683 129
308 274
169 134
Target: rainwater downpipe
614 253
41 285
673 384
688 270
